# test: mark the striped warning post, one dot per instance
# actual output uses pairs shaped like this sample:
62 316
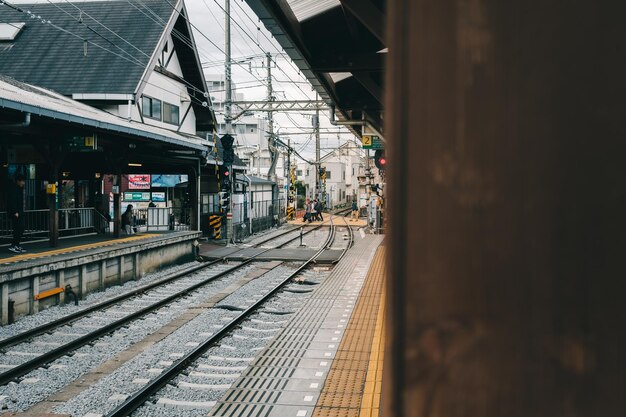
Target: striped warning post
215 221
291 213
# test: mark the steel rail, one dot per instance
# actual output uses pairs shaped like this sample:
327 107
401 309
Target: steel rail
36 331
21 370
139 398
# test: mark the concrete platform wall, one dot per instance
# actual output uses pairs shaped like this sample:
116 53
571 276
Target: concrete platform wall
88 273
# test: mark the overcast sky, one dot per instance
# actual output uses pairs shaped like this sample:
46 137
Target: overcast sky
250 42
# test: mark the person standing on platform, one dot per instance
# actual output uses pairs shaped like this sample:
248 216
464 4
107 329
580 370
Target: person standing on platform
15 210
318 210
355 211
127 220
307 210
313 215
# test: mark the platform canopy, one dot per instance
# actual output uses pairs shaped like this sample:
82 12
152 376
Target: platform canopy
42 121
338 45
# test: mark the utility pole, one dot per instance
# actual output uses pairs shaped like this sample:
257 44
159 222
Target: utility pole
228 120
318 166
271 144
288 194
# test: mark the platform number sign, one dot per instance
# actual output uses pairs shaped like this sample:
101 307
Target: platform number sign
372 142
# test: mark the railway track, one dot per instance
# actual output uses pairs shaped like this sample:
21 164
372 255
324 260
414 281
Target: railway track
22 361
137 399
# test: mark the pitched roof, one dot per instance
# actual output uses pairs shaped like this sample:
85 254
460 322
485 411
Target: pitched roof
99 47
55 56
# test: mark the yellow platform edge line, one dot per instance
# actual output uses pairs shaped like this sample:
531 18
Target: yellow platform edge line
72 249
371 395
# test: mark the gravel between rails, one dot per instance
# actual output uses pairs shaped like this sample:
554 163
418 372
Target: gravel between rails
111 390
26 323
252 240
313 240
41 383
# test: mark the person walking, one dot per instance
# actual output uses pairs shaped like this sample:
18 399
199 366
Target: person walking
355 211
15 210
127 220
307 210
318 210
313 211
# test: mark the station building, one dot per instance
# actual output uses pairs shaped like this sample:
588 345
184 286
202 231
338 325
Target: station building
97 95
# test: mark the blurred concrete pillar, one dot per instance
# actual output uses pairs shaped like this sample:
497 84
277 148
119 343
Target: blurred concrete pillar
506 123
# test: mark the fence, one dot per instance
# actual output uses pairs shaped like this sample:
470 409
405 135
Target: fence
36 225
256 217
157 218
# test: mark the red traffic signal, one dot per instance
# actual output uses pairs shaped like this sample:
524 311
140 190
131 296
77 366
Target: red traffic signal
379 159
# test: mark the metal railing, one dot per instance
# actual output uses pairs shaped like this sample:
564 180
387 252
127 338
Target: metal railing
257 217
161 219
36 225
77 220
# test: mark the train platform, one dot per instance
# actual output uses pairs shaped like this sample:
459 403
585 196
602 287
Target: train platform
327 361
361 222
37 279
328 256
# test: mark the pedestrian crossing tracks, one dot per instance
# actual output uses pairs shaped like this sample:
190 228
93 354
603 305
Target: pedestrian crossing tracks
328 359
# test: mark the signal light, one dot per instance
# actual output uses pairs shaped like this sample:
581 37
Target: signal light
224 200
226 173
379 159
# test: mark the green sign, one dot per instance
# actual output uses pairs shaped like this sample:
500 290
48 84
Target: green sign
372 142
136 196
81 143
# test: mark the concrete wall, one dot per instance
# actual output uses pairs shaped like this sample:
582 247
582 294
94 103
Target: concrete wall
89 273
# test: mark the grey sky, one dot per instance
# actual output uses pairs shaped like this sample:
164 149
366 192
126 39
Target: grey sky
250 42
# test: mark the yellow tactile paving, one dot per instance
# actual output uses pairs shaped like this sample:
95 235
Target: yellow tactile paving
29 256
353 386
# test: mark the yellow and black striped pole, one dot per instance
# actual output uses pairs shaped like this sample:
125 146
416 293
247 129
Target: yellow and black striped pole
215 221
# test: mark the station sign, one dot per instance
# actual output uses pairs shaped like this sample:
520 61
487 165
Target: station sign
136 196
81 143
372 142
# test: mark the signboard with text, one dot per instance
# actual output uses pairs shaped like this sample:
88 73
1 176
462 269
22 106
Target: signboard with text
168 181
136 196
158 197
372 142
138 182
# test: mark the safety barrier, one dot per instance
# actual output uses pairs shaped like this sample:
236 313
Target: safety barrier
162 218
215 222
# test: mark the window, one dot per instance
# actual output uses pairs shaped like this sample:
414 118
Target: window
307 172
353 171
170 113
151 107
328 172
299 172
343 173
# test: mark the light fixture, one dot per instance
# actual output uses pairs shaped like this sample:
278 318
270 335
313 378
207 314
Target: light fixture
97 175
134 164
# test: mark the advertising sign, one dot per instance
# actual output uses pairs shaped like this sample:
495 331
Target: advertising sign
168 181
158 197
136 196
138 182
